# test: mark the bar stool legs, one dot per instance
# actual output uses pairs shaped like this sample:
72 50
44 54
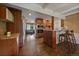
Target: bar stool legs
68 41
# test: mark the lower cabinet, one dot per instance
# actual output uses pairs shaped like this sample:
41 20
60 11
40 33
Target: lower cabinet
9 47
50 38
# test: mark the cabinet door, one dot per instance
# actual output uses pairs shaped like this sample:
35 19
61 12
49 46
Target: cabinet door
2 13
9 15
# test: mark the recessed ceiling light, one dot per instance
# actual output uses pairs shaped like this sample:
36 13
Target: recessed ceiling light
30 14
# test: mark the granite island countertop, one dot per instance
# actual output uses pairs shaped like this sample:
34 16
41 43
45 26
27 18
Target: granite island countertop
4 37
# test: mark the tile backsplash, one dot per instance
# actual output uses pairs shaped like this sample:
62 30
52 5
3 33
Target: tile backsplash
2 27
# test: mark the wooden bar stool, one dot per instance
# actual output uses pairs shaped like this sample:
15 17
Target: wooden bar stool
61 38
68 41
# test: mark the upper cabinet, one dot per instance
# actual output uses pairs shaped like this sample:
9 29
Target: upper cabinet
9 15
2 13
5 14
39 21
47 24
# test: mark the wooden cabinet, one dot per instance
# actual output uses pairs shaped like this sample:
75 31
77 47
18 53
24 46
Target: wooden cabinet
39 27
9 15
12 18
16 26
47 24
5 14
49 34
2 13
50 38
62 23
9 45
39 21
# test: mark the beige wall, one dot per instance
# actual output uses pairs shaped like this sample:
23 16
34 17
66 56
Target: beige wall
72 22
2 27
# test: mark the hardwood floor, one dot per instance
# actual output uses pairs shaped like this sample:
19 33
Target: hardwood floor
35 47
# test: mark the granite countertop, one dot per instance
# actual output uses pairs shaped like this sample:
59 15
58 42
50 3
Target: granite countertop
15 35
50 29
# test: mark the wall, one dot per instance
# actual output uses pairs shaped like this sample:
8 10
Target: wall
24 28
57 23
2 27
57 27
72 23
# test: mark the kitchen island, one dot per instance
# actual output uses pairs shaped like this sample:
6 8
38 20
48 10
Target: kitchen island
50 38
9 45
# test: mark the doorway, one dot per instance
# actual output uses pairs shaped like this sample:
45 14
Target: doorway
30 28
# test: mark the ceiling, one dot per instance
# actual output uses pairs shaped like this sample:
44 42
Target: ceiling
58 7
34 15
52 9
